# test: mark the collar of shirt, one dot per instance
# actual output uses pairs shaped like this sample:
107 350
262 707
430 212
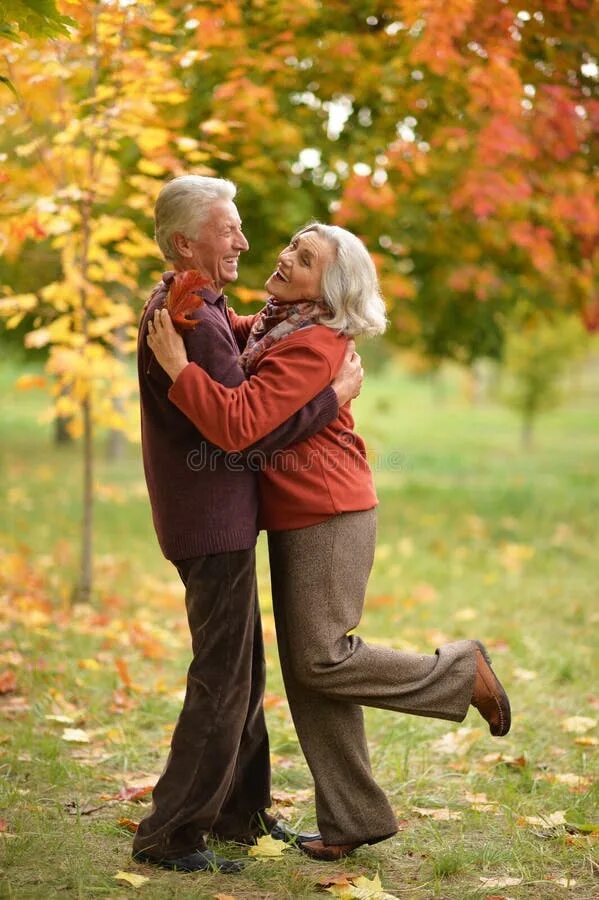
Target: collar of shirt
206 293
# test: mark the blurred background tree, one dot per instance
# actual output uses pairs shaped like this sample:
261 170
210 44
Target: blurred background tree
538 354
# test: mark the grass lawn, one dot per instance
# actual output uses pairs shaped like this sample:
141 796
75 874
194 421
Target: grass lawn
476 539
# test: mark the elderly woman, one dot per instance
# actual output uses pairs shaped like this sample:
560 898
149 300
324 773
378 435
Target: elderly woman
318 506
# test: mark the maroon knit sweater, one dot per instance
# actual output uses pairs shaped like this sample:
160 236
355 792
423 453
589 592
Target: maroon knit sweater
203 499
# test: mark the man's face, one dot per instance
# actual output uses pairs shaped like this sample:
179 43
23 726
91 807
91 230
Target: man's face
220 240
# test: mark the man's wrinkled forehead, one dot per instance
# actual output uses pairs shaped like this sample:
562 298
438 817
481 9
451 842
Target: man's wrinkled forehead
223 214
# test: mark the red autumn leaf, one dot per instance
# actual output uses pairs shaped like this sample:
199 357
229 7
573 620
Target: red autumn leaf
128 825
134 793
3 825
182 300
8 682
123 670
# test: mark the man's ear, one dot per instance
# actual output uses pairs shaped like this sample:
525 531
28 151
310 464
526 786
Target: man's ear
181 245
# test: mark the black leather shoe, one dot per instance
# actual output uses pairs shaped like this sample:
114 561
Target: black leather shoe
198 861
281 832
278 830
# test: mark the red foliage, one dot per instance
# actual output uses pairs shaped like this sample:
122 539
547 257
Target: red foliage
182 299
590 316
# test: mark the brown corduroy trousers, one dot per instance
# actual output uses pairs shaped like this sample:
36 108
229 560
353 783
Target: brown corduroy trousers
319 576
217 776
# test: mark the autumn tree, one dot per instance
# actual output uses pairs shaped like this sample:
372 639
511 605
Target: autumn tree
94 118
457 138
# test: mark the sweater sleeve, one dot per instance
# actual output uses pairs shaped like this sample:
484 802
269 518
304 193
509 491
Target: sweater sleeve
241 325
307 421
235 418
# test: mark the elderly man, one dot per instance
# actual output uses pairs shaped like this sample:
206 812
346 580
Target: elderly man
217 776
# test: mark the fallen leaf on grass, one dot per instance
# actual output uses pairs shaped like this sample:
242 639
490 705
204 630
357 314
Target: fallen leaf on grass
578 724
496 759
550 820
267 848
75 736
342 880
135 881
357 887
524 674
3 825
59 719
290 798
92 665
90 756
500 882
8 682
458 742
131 794
11 707
439 814
123 672
576 783
224 897
565 882
481 803
128 825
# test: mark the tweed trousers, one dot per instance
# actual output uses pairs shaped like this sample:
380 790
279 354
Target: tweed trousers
319 576
217 776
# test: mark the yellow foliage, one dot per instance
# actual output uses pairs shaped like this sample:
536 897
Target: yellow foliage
150 139
148 167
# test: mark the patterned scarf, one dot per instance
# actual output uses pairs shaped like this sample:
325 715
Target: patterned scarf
277 321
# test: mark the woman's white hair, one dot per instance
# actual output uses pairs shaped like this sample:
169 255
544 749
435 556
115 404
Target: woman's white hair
350 284
183 204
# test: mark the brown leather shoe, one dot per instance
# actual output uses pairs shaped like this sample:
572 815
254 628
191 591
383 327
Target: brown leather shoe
488 695
327 852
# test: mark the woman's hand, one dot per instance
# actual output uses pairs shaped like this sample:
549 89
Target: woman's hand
348 381
166 345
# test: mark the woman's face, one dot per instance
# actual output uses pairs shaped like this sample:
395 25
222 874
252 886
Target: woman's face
300 268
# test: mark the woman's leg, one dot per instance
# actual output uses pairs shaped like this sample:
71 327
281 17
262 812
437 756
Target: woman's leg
319 577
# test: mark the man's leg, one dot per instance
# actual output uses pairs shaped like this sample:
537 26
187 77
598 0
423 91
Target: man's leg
249 793
221 608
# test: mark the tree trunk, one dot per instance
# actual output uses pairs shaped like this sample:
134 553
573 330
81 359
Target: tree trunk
62 435
84 586
61 431
526 434
116 441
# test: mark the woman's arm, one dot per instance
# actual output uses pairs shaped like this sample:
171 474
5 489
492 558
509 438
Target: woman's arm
241 325
234 418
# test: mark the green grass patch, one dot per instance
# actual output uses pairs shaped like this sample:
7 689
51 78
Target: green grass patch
476 539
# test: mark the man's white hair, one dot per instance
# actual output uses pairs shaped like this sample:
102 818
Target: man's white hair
183 205
350 285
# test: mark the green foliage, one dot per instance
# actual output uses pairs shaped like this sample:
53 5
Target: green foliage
35 18
537 355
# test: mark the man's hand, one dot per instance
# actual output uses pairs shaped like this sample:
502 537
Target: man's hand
348 381
166 345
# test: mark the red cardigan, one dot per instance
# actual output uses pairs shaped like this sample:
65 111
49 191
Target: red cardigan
311 481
